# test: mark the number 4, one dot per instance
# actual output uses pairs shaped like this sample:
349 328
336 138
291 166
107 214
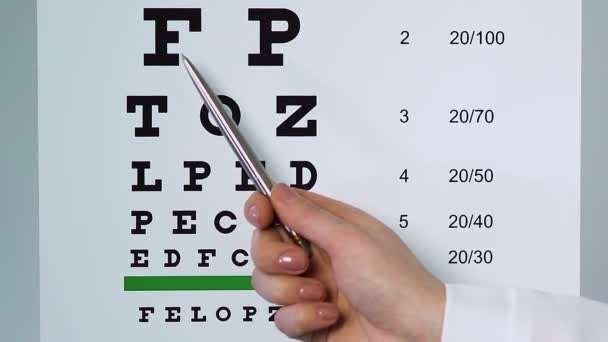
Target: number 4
404 176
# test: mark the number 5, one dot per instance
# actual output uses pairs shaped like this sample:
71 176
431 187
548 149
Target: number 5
403 222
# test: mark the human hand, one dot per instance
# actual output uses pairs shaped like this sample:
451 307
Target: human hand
362 283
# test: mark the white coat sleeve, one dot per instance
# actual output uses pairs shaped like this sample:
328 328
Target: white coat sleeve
476 314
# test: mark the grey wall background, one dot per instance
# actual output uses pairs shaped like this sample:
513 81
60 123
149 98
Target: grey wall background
19 290
594 182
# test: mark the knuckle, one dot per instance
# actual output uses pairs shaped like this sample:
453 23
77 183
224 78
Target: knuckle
270 289
255 250
291 330
258 259
264 261
305 213
291 321
255 279
253 240
261 285
261 250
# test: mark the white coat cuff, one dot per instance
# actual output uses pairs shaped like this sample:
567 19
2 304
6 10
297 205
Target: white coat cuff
476 314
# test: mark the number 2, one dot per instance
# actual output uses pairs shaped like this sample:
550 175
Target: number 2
406 36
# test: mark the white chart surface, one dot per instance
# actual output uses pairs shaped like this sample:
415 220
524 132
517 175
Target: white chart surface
490 142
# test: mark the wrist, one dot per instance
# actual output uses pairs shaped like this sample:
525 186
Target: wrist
425 314
437 314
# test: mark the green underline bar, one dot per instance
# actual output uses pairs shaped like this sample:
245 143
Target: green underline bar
187 283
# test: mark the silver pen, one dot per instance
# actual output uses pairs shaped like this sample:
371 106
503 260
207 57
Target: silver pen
239 145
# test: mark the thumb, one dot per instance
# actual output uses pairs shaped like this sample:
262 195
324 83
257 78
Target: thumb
313 222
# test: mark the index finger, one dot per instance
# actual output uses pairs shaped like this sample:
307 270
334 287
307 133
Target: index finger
258 210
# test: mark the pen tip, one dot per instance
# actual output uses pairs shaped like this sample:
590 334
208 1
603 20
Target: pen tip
184 58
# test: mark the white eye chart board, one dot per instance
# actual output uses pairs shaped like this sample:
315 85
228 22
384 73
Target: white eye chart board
456 124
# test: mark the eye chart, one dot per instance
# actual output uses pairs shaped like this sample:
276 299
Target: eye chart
457 123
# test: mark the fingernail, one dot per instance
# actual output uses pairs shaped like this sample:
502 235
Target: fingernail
312 291
285 193
327 312
254 212
289 262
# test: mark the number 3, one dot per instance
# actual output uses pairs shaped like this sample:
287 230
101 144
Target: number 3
405 116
